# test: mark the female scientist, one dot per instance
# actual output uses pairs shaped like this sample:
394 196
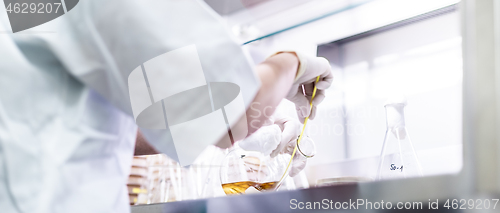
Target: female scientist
67 129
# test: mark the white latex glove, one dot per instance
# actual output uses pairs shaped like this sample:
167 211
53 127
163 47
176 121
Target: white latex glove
299 161
277 138
264 140
290 130
272 139
301 92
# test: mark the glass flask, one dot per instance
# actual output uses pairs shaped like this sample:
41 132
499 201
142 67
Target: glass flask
244 170
398 158
306 147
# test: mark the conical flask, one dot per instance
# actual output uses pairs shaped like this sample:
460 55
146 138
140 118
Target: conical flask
242 169
398 158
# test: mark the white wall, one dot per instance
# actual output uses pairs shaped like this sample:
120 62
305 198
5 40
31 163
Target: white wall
422 60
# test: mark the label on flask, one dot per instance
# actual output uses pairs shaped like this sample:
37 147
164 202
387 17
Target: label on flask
393 167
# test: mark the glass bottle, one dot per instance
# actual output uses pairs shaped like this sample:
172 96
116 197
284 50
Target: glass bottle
398 158
243 169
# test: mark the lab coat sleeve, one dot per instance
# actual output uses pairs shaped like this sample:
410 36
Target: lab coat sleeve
101 42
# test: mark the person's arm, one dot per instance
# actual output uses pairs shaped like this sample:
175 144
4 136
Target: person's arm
287 75
277 75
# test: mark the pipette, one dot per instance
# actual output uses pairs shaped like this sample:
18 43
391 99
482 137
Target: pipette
300 136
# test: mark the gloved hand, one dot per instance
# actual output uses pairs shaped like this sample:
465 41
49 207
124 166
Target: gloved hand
299 161
303 86
264 140
291 131
278 138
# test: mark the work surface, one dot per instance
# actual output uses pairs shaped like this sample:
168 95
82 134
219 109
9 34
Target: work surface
286 201
263 202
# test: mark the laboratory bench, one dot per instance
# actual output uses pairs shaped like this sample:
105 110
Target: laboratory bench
262 202
282 201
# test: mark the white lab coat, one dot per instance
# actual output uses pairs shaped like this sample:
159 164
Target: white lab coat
66 128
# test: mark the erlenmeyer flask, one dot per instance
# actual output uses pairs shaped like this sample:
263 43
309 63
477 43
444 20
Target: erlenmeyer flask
398 158
243 169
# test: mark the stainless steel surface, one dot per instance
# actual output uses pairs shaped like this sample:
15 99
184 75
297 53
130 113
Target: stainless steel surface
280 201
181 206
481 110
402 23
224 7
